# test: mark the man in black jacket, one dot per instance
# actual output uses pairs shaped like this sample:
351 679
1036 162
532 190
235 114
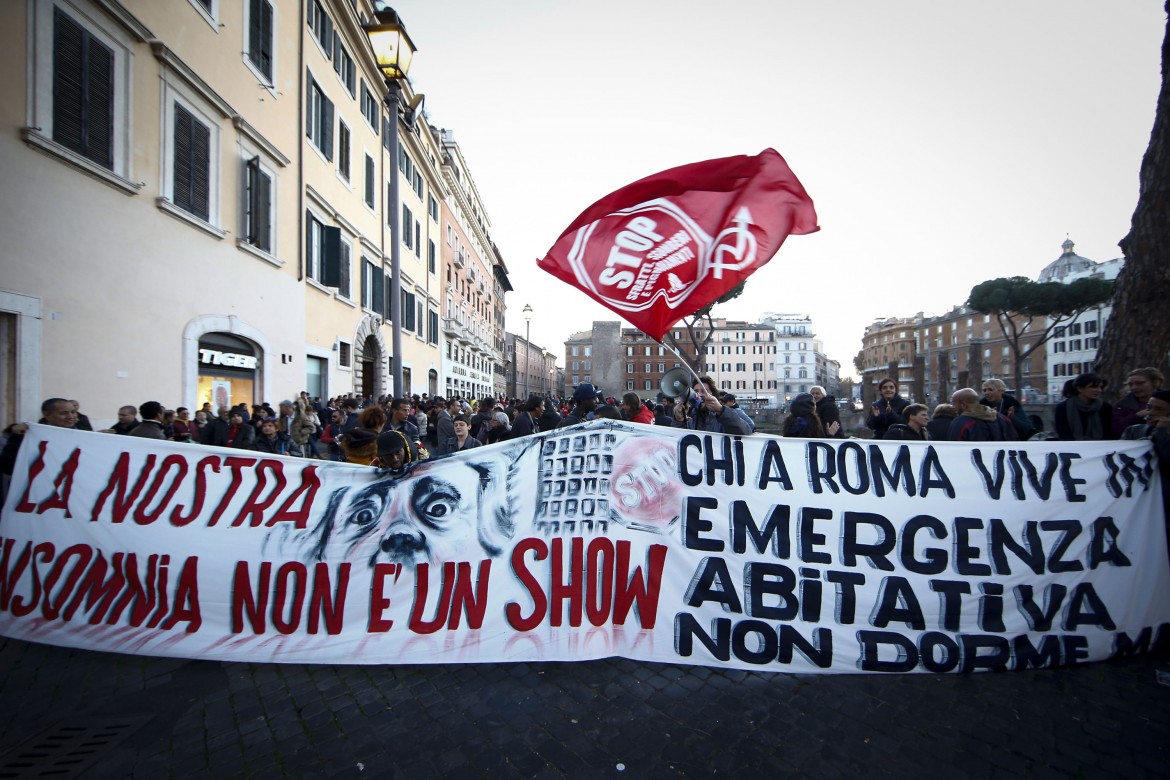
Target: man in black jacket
914 429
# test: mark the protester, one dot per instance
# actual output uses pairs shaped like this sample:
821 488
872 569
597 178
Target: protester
528 418
238 434
996 396
1142 382
462 440
184 427
887 409
83 423
360 445
58 412
917 418
828 412
270 440
706 413
127 420
151 426
585 398
635 411
976 422
1083 416
395 451
939 426
802 421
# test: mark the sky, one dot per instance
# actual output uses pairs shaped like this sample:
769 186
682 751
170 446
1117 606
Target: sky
943 143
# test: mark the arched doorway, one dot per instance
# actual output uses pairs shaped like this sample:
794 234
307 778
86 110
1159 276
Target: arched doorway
432 383
369 375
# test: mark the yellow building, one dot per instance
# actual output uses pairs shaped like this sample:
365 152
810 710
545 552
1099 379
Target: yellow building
196 207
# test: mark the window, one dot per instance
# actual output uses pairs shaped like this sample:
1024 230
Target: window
407 221
433 330
322 252
83 91
408 306
646 368
432 254
343 354
369 106
343 150
630 369
343 65
646 385
370 181
1091 326
418 183
629 384
191 177
322 27
319 119
260 38
433 208
576 365
258 205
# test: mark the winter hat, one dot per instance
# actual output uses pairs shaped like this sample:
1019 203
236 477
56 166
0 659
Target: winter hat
802 405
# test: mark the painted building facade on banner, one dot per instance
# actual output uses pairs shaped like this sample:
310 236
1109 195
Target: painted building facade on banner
177 239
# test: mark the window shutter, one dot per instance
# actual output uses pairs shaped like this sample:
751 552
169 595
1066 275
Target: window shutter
343 277
68 67
181 196
200 169
330 256
266 34
378 283
327 130
263 216
336 51
309 243
369 180
255 31
309 84
366 293
99 103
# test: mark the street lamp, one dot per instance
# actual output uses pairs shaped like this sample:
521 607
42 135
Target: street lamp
527 346
394 52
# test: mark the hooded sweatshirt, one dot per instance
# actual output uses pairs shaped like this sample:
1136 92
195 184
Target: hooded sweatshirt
979 423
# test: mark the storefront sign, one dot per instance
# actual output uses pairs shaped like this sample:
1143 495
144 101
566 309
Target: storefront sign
230 359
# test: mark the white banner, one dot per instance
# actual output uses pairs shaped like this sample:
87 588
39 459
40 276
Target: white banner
602 540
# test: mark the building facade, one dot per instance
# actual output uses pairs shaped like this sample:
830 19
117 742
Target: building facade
531 368
1072 350
203 212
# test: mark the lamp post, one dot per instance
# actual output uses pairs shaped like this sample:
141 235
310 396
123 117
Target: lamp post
527 346
394 51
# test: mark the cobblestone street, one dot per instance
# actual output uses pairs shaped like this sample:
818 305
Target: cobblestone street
158 718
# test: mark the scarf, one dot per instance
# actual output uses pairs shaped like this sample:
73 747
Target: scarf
1084 420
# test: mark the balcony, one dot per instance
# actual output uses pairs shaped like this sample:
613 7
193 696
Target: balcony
451 327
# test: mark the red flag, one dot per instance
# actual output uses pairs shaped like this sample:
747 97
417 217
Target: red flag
664 247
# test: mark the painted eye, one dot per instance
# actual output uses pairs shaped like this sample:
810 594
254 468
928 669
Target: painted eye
438 507
363 516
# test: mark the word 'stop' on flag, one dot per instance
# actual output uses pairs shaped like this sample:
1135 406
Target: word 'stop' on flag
666 246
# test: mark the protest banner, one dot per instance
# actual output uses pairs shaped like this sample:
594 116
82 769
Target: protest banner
601 540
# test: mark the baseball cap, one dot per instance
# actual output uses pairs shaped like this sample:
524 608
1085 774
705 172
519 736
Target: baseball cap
585 391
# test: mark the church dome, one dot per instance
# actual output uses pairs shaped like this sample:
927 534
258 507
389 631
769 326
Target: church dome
1069 262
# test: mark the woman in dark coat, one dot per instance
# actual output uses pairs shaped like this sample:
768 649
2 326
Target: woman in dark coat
1083 416
887 409
828 412
802 421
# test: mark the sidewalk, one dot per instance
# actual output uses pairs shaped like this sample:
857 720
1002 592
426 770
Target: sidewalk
156 718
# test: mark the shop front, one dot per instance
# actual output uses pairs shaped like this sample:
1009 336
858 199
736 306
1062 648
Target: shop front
228 371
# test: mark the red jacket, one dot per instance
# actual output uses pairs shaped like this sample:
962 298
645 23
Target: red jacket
644 416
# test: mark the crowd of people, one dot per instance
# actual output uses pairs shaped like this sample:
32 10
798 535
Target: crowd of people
392 432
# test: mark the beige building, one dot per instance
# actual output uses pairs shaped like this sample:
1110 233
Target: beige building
196 207
474 283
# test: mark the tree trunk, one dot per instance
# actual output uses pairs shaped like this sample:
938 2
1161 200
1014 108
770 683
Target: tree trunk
1138 331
